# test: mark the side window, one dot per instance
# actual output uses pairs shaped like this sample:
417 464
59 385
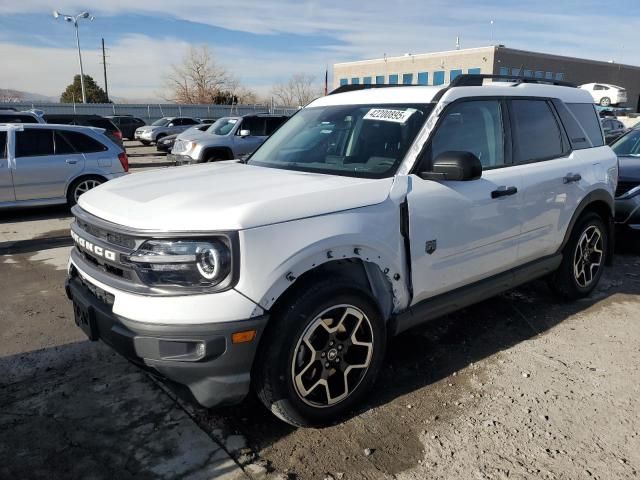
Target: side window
586 115
80 142
3 144
34 143
273 123
256 125
473 126
537 135
62 146
189 121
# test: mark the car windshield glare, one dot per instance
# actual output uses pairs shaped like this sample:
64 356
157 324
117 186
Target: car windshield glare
163 122
222 126
349 140
629 145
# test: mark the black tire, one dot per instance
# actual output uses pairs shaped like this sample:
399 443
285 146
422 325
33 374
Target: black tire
605 102
90 181
576 277
160 137
275 369
146 143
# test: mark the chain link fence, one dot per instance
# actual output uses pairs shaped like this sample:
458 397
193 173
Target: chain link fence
149 112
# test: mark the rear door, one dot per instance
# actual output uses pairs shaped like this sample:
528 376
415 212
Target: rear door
552 175
6 179
41 171
464 231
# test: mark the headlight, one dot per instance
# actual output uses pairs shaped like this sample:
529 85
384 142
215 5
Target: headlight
185 264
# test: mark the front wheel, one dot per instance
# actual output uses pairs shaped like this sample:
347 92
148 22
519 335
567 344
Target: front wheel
605 101
583 259
321 354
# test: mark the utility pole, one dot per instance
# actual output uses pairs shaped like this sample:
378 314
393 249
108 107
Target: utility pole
104 69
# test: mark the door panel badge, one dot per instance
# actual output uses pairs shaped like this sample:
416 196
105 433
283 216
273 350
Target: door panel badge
431 246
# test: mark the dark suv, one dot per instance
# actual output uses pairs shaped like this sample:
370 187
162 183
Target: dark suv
111 130
127 124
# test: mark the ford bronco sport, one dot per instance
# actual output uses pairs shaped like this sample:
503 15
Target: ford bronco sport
370 211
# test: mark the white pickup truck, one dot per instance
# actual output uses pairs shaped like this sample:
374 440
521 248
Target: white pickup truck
369 212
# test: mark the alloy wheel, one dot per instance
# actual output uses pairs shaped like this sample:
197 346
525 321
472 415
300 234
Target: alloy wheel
332 356
588 256
84 187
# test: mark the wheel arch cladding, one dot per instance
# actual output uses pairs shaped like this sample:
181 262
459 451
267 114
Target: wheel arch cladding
602 203
224 151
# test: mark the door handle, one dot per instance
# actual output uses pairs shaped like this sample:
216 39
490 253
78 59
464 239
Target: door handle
504 192
572 177
71 161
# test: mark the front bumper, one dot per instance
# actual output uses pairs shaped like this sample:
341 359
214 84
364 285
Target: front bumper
200 357
628 212
181 159
146 135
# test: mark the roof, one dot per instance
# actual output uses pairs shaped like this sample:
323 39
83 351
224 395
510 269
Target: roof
63 126
408 94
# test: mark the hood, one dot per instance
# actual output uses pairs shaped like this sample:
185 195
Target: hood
628 169
226 196
194 134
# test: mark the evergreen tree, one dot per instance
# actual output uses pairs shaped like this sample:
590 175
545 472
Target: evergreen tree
73 92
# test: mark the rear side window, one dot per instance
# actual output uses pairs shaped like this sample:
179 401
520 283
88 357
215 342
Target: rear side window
256 125
34 143
17 118
3 144
536 134
582 124
82 143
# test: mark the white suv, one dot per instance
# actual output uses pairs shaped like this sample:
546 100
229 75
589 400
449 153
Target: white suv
367 213
604 94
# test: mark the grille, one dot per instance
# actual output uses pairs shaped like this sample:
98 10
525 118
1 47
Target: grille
624 187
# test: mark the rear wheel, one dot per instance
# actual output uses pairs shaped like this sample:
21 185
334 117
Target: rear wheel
80 186
145 142
605 101
321 354
583 259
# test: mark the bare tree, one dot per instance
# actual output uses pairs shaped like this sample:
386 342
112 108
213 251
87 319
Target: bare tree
298 91
199 79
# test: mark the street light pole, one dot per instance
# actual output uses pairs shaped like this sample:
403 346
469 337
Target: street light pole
74 20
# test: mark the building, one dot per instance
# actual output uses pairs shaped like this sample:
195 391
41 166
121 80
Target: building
442 67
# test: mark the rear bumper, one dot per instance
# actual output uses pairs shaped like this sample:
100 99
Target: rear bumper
200 357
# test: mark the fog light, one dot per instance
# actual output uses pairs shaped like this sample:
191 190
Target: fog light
200 350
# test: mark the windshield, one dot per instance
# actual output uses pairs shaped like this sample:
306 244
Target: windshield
222 126
163 122
351 140
629 145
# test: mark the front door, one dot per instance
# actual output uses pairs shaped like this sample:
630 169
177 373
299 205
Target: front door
6 179
40 172
257 134
462 232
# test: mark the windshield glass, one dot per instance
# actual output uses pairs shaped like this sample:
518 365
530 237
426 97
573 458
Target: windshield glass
629 145
351 140
222 126
163 122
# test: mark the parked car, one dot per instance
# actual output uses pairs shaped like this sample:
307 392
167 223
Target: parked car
606 94
13 116
369 212
43 164
165 144
110 130
163 127
127 124
208 120
613 129
627 148
231 137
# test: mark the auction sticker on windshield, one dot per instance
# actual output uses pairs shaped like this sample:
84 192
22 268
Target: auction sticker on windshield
389 115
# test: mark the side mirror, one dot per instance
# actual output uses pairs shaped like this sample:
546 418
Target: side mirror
460 166
245 133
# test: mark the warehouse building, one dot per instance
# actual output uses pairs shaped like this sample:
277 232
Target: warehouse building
442 67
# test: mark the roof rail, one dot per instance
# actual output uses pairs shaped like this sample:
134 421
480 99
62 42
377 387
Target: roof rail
365 86
476 80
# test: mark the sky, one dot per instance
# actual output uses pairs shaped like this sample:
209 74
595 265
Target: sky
263 42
